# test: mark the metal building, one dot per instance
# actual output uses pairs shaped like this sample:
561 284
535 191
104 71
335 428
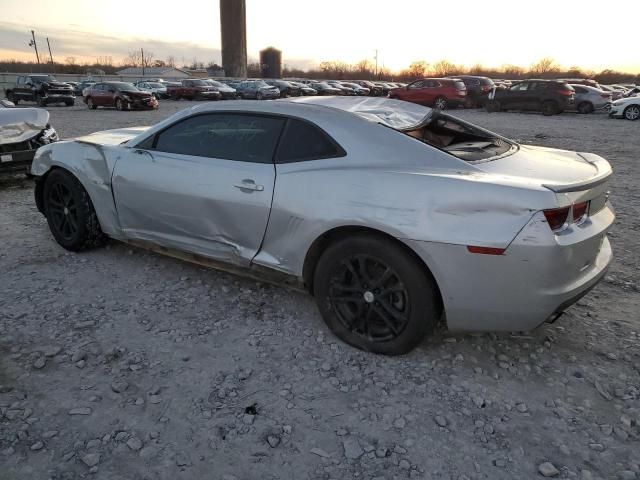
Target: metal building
271 63
233 28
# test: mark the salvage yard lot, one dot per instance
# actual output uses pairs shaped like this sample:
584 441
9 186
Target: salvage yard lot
130 365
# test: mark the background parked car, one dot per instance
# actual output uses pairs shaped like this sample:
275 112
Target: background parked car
257 89
323 88
121 95
440 93
305 90
226 92
343 88
588 99
547 96
374 90
287 89
615 92
632 92
628 108
478 89
196 89
358 89
157 89
42 89
79 88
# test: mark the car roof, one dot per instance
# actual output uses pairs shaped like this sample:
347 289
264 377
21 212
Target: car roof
396 114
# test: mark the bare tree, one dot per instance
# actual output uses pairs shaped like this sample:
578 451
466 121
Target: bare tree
106 61
148 59
71 61
418 69
171 61
444 68
544 66
133 59
513 70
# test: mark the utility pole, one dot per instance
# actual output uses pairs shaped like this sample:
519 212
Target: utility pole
33 44
142 52
50 56
376 57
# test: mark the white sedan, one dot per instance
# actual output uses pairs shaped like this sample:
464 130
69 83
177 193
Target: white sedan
628 108
394 216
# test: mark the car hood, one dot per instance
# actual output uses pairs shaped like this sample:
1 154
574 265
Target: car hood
113 137
549 167
21 124
58 84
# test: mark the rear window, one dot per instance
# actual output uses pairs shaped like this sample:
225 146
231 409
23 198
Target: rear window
459 84
304 141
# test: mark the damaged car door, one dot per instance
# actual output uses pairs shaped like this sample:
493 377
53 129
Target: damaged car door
203 184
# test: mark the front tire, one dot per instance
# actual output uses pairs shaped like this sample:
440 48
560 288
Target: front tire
550 108
259 96
41 101
493 106
70 213
632 112
119 104
375 296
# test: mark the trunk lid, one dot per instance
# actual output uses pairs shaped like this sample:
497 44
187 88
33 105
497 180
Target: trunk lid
560 171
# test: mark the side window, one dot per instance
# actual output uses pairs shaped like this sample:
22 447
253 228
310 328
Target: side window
541 86
417 85
304 141
520 87
20 81
247 138
579 89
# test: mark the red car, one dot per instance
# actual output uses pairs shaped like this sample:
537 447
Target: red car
434 92
122 95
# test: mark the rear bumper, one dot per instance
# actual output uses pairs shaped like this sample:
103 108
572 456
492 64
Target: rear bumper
539 275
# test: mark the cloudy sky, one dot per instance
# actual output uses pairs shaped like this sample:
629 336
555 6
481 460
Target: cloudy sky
466 32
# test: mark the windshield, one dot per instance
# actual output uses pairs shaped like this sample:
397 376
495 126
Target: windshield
259 83
196 83
215 83
43 78
321 85
155 85
125 87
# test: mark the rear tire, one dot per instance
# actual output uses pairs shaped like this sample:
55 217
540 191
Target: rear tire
440 103
493 106
70 213
550 108
41 101
374 296
585 107
90 104
70 103
632 112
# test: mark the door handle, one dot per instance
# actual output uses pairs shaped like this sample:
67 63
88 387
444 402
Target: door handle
250 186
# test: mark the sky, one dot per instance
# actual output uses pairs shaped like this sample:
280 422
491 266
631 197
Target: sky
308 32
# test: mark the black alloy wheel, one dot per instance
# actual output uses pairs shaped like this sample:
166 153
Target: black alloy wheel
369 298
375 295
70 213
62 210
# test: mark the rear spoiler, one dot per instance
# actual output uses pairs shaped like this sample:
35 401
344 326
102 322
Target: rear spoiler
604 172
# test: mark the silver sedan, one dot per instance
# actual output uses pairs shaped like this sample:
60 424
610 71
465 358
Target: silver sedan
394 216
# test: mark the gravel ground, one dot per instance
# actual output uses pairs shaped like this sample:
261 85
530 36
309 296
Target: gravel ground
122 364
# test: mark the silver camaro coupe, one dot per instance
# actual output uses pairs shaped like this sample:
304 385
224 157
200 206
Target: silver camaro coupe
394 216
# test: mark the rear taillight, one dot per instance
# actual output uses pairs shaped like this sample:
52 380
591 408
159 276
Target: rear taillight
579 211
566 93
485 88
557 217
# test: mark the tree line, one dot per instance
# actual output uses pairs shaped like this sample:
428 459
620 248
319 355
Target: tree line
363 70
